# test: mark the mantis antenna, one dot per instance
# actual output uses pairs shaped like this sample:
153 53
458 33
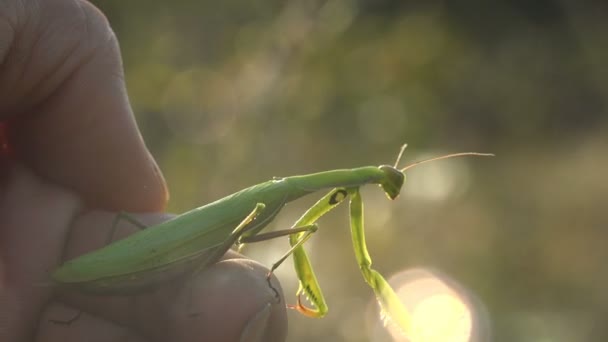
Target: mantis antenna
400 154
461 154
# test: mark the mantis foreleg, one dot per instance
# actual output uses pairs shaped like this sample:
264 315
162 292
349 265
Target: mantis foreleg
390 303
308 281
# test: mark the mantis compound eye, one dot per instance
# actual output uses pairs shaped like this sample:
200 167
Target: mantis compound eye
393 181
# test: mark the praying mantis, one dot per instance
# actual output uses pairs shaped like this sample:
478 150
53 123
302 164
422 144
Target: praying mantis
191 241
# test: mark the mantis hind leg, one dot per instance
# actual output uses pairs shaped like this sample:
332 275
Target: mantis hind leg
277 233
122 215
387 298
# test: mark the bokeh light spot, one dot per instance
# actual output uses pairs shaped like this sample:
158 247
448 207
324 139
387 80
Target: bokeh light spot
441 310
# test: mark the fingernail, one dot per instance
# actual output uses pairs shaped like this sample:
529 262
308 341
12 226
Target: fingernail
256 327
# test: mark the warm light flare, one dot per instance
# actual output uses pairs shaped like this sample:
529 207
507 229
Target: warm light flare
442 317
441 310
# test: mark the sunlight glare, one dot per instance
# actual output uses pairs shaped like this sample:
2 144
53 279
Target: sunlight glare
441 311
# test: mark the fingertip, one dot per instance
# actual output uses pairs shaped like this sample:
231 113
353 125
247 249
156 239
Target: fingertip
236 304
70 119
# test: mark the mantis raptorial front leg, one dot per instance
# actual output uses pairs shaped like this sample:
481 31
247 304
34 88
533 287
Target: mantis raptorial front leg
390 303
307 279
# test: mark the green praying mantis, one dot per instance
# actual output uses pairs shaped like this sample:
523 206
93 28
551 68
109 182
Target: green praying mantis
191 241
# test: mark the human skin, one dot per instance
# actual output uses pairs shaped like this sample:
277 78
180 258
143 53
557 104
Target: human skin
71 156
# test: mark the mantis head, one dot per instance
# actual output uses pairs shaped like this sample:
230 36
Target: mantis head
393 181
395 177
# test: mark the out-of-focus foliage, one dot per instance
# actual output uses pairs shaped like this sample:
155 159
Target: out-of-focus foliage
231 93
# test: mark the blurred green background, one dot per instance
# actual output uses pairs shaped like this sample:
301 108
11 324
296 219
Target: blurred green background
231 93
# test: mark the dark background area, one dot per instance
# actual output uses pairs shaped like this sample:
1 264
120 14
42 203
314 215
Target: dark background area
231 93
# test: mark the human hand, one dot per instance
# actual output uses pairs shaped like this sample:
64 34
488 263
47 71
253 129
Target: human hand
72 145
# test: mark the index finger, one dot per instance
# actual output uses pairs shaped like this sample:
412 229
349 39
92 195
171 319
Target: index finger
66 109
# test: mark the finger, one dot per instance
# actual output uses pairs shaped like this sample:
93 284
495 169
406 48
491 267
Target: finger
228 298
65 105
33 218
86 328
232 301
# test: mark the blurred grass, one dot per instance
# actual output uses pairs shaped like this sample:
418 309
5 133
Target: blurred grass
229 94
